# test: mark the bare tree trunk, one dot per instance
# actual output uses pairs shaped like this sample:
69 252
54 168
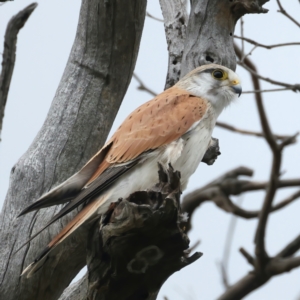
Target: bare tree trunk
91 90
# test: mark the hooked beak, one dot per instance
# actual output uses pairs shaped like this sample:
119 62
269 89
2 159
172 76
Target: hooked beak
237 89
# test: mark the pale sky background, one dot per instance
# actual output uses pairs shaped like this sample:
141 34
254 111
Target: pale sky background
43 48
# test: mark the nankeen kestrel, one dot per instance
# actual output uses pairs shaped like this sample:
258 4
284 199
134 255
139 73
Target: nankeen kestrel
175 127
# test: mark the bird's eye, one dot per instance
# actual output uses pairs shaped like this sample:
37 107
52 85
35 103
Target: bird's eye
219 74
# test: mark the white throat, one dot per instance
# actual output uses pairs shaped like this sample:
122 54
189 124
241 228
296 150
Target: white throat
220 96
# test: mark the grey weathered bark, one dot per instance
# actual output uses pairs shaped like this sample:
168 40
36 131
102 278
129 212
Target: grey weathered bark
210 31
206 36
9 54
86 102
175 21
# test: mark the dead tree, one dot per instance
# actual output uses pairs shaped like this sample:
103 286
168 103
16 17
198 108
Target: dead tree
81 115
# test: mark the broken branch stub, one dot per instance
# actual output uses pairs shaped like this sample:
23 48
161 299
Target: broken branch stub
141 240
212 152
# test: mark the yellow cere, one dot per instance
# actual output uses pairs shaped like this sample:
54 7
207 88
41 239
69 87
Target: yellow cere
235 82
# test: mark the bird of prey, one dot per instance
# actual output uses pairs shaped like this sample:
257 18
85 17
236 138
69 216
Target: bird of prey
173 128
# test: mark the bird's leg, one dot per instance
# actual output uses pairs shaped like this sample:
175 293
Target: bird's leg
212 152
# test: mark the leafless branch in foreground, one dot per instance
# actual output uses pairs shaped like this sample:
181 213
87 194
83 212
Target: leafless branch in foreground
284 12
9 54
229 184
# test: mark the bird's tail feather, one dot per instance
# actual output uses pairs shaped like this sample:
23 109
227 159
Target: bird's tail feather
87 214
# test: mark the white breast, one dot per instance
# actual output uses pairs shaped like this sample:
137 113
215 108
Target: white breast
185 154
196 143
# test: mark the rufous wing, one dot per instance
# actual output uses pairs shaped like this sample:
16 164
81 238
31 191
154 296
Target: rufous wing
156 123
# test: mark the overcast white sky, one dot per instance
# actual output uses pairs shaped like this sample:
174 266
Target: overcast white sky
43 48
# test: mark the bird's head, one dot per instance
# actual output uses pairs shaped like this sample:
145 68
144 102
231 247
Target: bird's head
216 83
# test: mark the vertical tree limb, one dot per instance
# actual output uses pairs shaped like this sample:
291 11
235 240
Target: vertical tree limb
210 31
175 21
9 54
82 112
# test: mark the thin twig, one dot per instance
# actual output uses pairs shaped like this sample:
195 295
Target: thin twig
290 249
256 186
227 247
266 46
227 205
248 256
293 87
9 54
286 201
283 11
142 86
242 35
267 91
195 245
248 132
249 53
154 18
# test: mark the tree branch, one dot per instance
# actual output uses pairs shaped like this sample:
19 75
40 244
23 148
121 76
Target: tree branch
266 46
293 87
154 18
267 91
9 54
175 21
142 86
248 132
283 11
250 259
279 266
290 249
